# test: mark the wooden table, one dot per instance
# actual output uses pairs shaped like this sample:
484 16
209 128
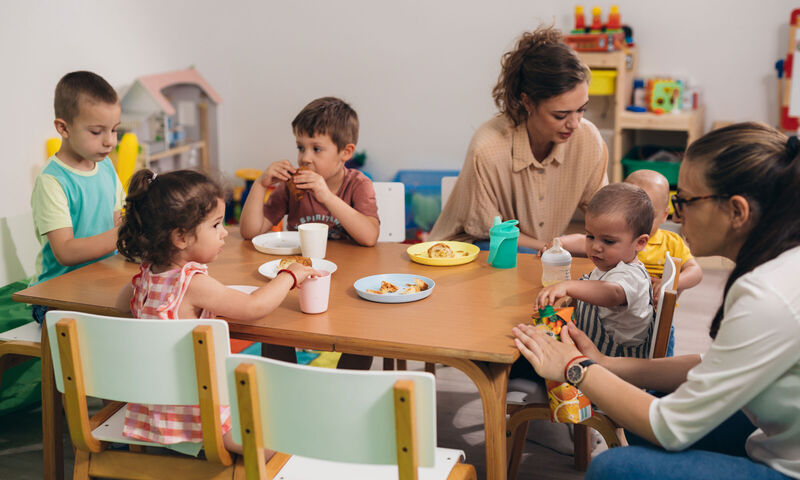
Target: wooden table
466 322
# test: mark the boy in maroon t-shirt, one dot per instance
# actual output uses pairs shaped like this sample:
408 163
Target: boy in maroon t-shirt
324 190
321 190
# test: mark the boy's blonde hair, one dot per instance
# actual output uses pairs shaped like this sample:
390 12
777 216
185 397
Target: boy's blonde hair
81 84
328 116
629 200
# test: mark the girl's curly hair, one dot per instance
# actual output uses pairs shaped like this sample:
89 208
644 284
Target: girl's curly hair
158 205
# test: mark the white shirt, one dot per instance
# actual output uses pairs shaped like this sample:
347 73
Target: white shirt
753 365
627 324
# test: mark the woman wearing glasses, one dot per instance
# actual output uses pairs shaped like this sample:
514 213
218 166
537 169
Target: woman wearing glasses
735 412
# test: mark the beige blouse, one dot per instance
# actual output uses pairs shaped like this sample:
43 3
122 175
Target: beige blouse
501 177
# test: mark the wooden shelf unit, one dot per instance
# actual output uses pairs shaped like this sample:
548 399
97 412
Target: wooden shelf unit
626 123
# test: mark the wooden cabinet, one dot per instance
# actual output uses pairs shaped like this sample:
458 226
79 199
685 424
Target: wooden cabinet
625 124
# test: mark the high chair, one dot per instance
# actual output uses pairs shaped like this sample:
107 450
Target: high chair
520 413
174 362
337 424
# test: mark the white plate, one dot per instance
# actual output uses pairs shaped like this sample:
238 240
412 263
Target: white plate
248 289
270 269
398 279
278 243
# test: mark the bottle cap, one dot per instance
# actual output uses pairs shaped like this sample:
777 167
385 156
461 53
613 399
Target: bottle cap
556 255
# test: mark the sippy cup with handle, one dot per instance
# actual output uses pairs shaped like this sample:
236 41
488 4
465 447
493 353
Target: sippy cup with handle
503 238
556 263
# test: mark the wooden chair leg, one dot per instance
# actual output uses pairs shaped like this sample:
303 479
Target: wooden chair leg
402 364
81 469
583 451
430 367
388 364
515 450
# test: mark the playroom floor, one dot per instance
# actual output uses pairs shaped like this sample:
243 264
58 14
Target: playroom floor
460 417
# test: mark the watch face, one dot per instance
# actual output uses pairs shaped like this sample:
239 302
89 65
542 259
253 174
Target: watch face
574 374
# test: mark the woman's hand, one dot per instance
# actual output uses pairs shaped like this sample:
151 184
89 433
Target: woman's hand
575 335
547 355
278 171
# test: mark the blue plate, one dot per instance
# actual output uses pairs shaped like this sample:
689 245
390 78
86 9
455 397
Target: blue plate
400 280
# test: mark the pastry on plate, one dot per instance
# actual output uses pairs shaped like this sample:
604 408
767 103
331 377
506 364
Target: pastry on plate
415 287
285 262
440 250
386 287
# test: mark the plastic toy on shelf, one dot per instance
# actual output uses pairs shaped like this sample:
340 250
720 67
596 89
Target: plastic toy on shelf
597 37
663 95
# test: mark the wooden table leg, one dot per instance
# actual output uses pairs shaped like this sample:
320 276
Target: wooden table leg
492 382
52 432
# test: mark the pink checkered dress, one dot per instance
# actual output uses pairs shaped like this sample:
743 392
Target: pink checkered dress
159 296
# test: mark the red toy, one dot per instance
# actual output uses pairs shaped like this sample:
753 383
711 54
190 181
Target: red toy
599 37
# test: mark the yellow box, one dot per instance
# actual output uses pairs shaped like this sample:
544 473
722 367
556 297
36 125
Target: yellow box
602 82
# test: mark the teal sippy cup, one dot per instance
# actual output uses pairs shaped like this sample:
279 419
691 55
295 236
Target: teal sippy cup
503 238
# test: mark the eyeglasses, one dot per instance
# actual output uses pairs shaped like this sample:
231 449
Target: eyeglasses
679 202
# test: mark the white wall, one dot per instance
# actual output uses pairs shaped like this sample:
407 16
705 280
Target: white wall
419 73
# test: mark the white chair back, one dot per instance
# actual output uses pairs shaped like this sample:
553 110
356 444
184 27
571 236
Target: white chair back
391 200
137 360
335 415
448 183
667 279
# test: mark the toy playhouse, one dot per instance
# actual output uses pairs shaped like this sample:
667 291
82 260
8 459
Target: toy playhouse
174 116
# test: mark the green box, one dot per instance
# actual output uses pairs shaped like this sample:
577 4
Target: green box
664 160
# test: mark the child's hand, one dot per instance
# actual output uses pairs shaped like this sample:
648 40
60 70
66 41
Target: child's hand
550 294
301 272
280 171
311 180
655 283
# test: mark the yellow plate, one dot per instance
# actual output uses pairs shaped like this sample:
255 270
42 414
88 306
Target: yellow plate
419 253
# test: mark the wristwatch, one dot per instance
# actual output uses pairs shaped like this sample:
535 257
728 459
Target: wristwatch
575 372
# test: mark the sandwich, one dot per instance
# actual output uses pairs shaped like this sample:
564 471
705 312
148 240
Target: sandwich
285 262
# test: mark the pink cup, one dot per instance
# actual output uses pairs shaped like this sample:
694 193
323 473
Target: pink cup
314 293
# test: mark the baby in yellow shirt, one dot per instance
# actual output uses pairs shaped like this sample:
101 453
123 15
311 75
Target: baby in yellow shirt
662 241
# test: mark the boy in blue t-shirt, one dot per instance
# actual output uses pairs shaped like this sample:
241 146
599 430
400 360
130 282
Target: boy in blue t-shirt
77 198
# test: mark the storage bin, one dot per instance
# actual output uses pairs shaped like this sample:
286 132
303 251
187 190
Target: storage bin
603 82
664 160
423 198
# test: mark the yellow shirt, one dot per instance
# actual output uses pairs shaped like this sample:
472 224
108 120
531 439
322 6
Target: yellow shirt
656 250
502 178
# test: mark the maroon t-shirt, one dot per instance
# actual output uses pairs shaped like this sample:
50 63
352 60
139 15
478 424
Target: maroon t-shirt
356 191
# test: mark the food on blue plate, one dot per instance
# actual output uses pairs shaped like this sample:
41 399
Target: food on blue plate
387 287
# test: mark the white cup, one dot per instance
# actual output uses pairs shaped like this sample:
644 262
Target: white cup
313 239
314 293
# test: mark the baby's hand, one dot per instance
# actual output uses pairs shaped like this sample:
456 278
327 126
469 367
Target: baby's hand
280 171
548 295
311 180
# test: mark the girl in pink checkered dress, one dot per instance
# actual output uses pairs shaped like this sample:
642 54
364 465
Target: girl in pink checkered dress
173 224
